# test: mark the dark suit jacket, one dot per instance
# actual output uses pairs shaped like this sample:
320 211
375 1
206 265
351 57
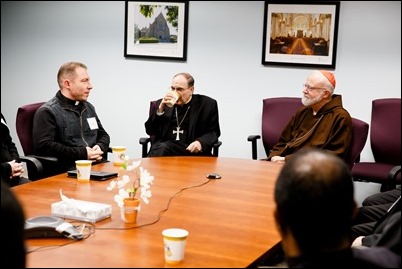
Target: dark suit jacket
8 152
13 254
204 122
387 231
375 257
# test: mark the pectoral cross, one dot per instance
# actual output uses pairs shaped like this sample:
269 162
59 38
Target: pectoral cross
178 132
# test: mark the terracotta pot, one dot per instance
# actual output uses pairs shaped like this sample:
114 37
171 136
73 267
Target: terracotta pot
130 210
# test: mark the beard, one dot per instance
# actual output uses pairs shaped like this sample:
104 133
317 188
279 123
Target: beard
311 101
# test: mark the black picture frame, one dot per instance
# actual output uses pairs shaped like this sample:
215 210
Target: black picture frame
301 34
156 30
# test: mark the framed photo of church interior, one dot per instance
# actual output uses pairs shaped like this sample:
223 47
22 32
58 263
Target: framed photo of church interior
300 33
156 30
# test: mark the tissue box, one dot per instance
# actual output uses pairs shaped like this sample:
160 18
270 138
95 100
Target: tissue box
81 210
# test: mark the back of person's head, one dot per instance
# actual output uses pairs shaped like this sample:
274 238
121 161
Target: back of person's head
314 199
13 254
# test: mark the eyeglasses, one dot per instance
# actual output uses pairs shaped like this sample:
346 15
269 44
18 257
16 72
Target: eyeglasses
311 88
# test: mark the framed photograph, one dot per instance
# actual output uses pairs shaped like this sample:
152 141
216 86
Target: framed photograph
302 34
156 30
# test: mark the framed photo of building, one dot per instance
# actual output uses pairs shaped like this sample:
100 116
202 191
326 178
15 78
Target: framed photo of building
156 30
300 33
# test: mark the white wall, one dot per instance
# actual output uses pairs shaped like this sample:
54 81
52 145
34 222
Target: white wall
224 56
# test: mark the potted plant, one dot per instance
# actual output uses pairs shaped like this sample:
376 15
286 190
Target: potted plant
137 180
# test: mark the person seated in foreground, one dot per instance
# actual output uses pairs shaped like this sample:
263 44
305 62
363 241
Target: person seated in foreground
314 211
11 167
189 127
13 254
378 221
322 122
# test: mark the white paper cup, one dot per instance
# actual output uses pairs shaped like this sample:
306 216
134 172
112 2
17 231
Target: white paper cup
175 97
83 170
174 241
119 154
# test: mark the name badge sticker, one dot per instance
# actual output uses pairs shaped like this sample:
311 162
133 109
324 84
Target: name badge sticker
92 123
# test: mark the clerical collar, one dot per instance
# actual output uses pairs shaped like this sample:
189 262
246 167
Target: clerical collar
189 100
68 101
185 106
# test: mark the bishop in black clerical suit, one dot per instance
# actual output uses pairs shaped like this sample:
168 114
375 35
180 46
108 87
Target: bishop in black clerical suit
190 127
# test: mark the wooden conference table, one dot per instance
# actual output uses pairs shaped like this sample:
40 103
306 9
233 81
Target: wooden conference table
230 220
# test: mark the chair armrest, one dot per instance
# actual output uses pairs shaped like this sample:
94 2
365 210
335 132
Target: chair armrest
46 159
215 148
253 140
393 173
144 142
50 165
34 166
106 154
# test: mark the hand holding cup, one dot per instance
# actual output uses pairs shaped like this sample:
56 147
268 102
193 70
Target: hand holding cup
171 98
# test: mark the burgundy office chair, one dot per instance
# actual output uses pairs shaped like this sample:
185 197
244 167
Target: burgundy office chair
276 113
34 168
145 141
385 140
359 138
24 125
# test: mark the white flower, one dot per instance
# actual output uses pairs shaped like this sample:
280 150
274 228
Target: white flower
128 187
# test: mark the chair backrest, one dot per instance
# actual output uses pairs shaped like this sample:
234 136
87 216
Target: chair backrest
152 107
359 138
276 113
24 125
385 130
